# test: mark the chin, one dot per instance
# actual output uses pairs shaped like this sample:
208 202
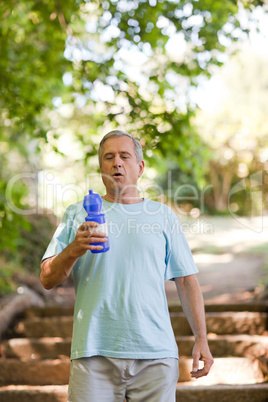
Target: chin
116 189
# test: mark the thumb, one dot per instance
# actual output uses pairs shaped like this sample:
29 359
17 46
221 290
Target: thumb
195 366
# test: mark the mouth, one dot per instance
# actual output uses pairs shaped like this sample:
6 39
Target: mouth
117 174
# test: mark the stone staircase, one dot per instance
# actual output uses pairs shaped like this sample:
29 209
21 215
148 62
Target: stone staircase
34 363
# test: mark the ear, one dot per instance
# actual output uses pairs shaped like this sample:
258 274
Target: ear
141 168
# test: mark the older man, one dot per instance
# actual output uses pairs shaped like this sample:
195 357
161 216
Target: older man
123 344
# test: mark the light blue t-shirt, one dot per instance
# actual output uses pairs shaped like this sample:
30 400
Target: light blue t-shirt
121 309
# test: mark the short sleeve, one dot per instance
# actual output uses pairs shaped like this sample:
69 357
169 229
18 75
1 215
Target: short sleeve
63 235
179 259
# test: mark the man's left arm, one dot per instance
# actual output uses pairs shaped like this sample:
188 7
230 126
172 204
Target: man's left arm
193 306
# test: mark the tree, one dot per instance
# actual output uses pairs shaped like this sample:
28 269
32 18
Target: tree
178 42
32 62
236 129
174 43
87 46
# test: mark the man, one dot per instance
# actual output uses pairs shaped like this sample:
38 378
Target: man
123 345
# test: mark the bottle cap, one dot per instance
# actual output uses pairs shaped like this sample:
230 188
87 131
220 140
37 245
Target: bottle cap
92 203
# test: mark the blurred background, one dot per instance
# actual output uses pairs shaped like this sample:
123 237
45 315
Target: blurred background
188 78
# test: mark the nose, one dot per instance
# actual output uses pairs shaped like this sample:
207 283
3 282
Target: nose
117 161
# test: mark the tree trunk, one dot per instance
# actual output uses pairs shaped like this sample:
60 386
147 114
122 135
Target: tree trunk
17 305
221 181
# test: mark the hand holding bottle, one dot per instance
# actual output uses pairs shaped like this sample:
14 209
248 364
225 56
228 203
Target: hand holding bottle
93 204
88 237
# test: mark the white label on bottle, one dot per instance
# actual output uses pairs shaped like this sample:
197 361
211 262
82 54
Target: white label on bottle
102 228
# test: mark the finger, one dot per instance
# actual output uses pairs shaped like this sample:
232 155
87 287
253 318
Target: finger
91 224
87 225
196 374
200 373
95 247
84 240
94 233
204 371
195 365
97 240
90 233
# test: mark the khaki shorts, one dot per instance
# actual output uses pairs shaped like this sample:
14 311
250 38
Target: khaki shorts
105 379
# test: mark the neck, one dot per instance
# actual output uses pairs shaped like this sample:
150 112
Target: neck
122 198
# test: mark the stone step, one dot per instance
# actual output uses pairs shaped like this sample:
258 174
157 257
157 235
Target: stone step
35 372
233 370
222 393
37 348
260 307
226 323
228 370
37 327
49 311
26 393
59 310
218 323
220 346
184 392
228 345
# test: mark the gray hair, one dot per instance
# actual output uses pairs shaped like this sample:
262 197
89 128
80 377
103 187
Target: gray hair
119 133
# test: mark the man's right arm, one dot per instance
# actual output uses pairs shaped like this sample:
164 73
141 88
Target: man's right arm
56 269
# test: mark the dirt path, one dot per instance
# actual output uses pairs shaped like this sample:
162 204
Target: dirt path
225 282
224 251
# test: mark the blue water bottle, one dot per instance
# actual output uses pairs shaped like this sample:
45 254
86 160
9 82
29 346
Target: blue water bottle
92 204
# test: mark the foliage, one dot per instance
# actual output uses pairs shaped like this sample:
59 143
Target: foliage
24 253
174 43
6 283
32 62
236 130
151 95
10 222
32 244
100 38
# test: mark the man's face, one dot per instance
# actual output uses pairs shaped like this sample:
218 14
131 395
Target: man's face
119 166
